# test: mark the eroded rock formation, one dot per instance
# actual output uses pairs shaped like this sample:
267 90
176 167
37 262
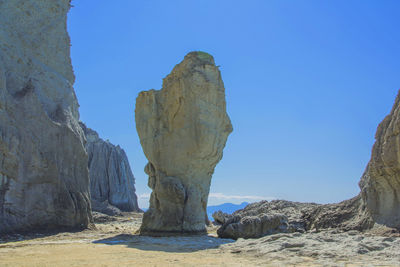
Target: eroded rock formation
266 217
221 217
380 184
44 180
183 129
261 218
254 226
347 215
111 179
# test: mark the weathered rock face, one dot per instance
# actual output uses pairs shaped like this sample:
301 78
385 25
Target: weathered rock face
269 217
347 215
44 179
111 178
254 226
183 129
380 184
266 217
221 217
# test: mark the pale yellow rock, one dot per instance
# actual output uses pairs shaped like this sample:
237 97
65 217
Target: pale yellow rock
183 129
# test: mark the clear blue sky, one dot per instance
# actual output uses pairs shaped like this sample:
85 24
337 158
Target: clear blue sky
307 83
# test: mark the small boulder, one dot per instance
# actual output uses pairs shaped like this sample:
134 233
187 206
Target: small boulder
221 217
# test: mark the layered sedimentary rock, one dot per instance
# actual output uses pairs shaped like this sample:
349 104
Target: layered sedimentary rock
183 129
111 178
380 184
44 178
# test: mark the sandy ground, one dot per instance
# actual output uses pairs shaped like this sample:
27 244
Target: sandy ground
114 243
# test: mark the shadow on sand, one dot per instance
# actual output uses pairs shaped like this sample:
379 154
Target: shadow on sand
174 244
37 233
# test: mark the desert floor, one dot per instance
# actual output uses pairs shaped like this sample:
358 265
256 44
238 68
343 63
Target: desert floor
113 242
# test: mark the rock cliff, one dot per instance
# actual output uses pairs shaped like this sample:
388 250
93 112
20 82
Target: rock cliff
380 184
44 180
111 178
183 129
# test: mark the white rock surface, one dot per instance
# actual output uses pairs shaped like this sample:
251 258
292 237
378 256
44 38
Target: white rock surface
183 129
44 179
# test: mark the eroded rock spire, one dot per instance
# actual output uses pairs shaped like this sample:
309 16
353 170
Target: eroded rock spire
183 129
44 181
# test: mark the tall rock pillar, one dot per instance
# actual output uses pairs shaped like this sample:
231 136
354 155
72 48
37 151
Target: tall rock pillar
183 129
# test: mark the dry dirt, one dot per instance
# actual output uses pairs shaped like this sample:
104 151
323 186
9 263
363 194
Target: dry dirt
113 242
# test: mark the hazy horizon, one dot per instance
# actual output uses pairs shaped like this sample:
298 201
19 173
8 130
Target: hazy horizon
306 85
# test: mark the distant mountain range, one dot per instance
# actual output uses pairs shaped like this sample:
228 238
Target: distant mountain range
226 207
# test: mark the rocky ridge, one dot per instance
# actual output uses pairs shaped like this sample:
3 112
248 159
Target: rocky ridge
261 218
112 184
183 129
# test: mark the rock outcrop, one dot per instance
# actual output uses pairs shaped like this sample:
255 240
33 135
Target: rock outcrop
347 215
254 226
44 181
256 219
266 217
183 129
221 217
111 179
380 184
